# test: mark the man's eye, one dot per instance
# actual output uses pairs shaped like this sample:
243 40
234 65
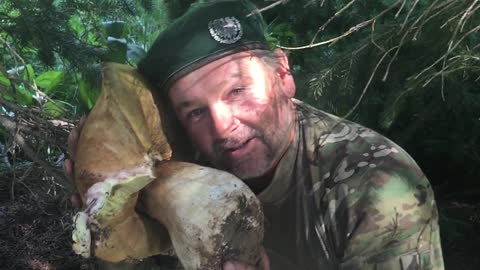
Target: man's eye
195 114
237 91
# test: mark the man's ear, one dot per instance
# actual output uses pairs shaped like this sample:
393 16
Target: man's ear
284 74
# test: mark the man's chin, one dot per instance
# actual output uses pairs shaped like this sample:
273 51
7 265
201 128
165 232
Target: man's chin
257 163
250 171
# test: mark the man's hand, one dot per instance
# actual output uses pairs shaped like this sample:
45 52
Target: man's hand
264 264
68 165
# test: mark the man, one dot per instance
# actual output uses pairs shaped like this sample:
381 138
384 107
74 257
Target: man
336 195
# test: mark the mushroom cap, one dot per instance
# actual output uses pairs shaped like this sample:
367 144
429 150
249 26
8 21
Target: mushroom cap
121 140
124 130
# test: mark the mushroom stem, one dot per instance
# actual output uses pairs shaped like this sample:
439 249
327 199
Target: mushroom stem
119 232
211 216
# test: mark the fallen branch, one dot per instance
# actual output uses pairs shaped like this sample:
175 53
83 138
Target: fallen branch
19 139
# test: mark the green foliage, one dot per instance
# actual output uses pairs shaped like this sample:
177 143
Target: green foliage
413 74
280 34
51 54
64 42
4 81
49 80
88 93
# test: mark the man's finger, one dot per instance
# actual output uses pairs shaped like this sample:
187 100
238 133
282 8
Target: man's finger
229 266
74 135
264 261
81 122
68 169
236 266
76 200
72 142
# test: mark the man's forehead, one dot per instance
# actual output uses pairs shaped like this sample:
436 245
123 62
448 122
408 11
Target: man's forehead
229 67
237 60
219 75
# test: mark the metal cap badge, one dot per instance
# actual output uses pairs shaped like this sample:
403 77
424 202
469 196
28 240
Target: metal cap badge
226 30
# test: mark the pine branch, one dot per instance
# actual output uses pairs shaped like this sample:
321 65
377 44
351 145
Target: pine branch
400 9
473 30
408 14
258 11
352 30
368 82
440 9
410 29
337 14
459 28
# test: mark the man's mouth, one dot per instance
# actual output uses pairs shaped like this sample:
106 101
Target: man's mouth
231 148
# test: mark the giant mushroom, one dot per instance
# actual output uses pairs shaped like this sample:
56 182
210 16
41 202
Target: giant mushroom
124 163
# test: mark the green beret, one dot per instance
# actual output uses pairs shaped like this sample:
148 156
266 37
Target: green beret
206 32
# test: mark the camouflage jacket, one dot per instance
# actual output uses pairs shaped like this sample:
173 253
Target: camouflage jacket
345 197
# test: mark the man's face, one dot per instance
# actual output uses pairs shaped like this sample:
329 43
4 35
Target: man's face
238 112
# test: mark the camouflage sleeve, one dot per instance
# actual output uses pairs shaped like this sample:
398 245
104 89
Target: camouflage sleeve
382 213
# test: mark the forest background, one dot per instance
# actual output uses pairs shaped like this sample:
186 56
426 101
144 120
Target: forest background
409 69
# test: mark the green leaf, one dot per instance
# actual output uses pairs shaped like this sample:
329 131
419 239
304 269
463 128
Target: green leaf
29 73
4 81
49 80
20 96
23 96
6 96
76 25
54 110
88 94
26 73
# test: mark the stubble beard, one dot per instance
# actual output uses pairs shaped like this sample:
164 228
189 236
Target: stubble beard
272 143
252 164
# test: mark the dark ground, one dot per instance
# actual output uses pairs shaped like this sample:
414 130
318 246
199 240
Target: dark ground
35 225
35 228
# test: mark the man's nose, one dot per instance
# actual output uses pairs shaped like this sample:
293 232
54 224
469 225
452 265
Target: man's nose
222 119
